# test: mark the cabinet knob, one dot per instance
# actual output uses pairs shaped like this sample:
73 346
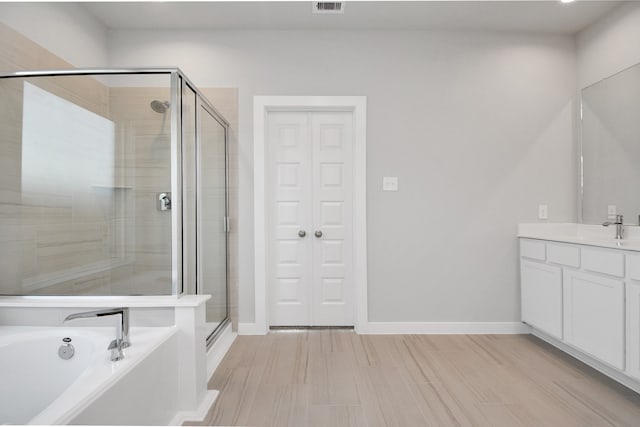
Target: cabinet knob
302 233
318 233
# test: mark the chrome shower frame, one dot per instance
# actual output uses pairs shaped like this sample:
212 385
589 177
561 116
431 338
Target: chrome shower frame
178 81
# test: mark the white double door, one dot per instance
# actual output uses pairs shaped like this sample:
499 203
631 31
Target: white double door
310 209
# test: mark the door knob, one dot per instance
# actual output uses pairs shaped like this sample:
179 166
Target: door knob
302 233
318 233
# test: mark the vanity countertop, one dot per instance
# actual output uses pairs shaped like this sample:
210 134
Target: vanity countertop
582 234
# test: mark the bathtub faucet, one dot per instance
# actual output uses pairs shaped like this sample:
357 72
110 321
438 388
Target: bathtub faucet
122 328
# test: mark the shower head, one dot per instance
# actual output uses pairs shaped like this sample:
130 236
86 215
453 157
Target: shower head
159 106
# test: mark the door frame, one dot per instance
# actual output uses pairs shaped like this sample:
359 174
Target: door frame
357 105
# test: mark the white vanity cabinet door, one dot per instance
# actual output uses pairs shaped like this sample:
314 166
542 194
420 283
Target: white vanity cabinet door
541 293
633 329
594 316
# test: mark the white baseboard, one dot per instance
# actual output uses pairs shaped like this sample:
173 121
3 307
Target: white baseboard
383 328
219 349
200 413
594 363
251 329
389 328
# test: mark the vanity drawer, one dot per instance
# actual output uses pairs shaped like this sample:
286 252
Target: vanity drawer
607 262
533 249
563 254
633 266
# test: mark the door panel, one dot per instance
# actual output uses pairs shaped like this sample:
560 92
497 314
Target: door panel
212 210
594 315
633 332
541 287
332 136
289 189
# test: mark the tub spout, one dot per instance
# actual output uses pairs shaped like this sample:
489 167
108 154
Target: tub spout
122 328
116 350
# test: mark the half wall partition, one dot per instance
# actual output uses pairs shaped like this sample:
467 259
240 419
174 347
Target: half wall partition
113 182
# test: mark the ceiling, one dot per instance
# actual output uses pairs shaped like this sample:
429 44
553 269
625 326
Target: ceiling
529 16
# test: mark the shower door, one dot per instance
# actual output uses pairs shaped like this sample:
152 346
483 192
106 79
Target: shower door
212 217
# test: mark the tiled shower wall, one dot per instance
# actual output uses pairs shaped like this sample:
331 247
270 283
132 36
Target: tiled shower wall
143 169
48 240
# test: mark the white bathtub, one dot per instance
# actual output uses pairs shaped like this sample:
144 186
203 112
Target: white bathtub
38 387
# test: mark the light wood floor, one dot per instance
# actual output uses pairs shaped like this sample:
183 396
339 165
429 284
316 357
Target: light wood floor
338 378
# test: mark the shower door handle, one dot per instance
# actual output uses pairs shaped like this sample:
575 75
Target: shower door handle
164 201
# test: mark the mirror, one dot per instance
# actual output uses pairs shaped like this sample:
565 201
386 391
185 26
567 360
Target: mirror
611 148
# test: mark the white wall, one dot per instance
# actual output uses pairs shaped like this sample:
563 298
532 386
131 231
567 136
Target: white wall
65 29
610 45
477 126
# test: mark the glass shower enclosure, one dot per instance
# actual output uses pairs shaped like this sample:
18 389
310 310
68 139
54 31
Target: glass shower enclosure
113 182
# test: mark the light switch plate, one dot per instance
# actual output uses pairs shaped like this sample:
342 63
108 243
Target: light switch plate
389 183
543 212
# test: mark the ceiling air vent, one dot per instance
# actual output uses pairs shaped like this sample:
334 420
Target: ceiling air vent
328 7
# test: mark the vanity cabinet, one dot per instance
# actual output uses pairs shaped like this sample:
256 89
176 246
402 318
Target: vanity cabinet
541 294
594 309
585 299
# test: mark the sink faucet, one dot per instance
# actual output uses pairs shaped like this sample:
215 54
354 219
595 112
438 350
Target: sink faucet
122 328
619 226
